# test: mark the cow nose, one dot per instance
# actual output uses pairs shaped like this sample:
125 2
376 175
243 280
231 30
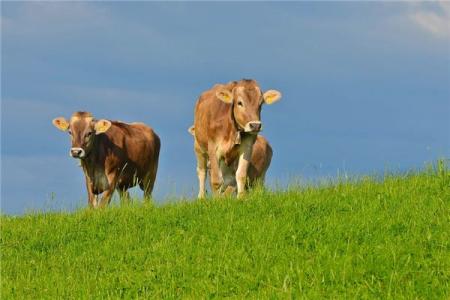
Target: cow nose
77 152
255 126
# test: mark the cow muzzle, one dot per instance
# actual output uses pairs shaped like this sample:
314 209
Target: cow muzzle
253 126
77 152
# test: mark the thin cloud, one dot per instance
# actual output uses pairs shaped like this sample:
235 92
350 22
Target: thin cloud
435 19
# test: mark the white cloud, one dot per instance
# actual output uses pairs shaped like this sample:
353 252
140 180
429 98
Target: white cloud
433 17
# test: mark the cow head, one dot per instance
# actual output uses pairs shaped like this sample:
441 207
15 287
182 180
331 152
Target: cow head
247 100
82 128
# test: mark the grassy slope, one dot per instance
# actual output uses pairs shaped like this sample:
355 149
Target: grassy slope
369 239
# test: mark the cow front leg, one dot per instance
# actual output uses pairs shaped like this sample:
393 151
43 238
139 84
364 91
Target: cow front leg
202 160
241 175
92 198
214 172
243 164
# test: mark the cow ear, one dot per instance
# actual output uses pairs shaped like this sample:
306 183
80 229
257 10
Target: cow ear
61 123
102 126
271 96
225 95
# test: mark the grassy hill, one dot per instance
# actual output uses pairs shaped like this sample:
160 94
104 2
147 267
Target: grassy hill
370 238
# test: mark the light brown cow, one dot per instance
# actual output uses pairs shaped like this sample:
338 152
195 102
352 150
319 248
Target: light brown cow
114 155
227 120
259 163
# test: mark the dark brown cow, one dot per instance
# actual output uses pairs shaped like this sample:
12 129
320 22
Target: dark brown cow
227 120
114 155
259 163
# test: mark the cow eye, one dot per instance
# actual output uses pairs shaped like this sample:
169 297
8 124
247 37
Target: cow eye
69 132
88 134
240 103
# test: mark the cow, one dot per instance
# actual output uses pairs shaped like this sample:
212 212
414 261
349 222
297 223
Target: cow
227 119
259 163
113 155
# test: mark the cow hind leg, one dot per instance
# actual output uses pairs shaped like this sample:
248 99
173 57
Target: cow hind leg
107 195
256 183
147 185
106 198
228 187
261 181
147 181
124 196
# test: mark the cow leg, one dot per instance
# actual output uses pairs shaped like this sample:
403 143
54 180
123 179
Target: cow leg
148 181
229 180
241 173
107 195
124 196
243 164
214 172
92 198
261 180
230 190
202 161
106 198
147 186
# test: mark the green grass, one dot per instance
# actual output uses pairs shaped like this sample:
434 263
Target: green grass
369 238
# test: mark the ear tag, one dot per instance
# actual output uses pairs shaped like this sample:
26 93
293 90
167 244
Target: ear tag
237 139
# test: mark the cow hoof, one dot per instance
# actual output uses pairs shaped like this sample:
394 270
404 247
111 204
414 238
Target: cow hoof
241 195
229 191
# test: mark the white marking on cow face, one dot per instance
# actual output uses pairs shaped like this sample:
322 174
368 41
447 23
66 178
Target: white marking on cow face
77 152
253 127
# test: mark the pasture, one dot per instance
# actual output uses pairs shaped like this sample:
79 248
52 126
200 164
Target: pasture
368 238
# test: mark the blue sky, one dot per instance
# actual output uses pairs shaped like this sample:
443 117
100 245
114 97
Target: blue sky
366 86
